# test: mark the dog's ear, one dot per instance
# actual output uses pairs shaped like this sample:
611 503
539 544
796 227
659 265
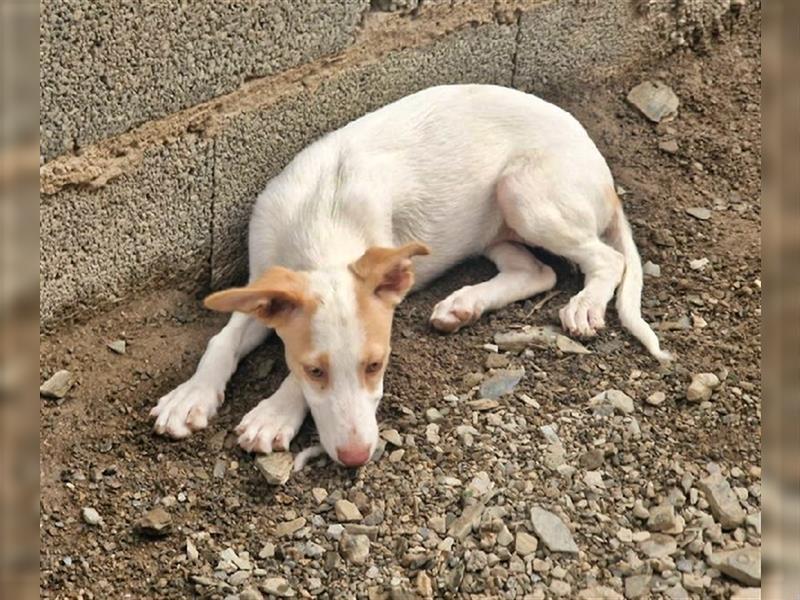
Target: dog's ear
274 297
387 272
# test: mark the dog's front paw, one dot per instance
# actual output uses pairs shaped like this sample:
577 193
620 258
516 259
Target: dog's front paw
456 311
583 316
270 426
186 409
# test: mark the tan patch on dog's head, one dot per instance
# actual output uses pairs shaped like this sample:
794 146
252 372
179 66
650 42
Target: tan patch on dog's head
612 199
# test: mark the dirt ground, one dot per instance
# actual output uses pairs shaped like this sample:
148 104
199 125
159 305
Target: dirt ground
97 449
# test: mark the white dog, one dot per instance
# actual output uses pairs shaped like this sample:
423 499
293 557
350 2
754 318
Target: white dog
451 171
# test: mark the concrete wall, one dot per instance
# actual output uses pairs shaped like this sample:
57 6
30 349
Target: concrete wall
161 120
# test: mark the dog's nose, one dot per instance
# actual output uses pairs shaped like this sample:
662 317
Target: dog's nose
353 455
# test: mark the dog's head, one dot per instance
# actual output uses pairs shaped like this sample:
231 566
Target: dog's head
336 327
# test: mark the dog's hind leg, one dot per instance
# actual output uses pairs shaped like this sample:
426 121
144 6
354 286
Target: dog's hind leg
520 276
189 406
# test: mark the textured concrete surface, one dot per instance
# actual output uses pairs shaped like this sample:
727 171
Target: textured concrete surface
107 67
257 145
147 226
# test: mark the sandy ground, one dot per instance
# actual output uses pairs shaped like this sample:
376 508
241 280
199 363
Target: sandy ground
97 449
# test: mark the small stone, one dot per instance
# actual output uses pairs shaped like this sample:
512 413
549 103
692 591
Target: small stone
461 527
319 494
250 594
504 537
335 531
288 528
698 264
57 386
397 455
238 578
552 531
497 361
624 535
669 146
617 399
267 550
651 269
117 346
276 467
661 518
592 459
346 511
354 548
392 436
91 516
754 521
277 586
693 582
637 586
525 543
677 592
434 416
599 592
743 565
191 551
220 467
502 382
432 433
722 500
698 212
155 523
655 100
560 589
424 586
594 480
656 398
701 387
482 404
659 545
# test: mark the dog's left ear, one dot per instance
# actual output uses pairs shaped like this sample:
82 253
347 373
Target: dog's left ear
387 272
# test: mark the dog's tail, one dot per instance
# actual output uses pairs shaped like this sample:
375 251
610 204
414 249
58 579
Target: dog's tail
629 292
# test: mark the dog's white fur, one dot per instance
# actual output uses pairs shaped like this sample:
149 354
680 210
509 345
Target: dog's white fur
465 169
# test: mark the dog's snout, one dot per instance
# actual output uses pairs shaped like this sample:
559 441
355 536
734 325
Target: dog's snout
354 454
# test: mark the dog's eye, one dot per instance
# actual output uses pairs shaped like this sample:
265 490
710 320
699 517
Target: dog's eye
373 367
315 372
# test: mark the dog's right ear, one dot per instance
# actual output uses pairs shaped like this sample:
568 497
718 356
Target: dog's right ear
274 297
387 272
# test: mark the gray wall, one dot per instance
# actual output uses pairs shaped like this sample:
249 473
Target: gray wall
161 120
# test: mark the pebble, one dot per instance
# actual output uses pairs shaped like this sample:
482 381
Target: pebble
662 518
346 511
560 588
91 516
354 548
616 399
698 212
624 535
117 346
743 565
288 528
433 415
424 585
552 531
701 387
525 543
637 586
238 578
392 436
461 527
659 545
335 531
191 551
698 264
668 146
319 494
655 100
250 594
267 550
651 269
599 592
276 467
497 361
502 382
277 586
656 398
155 523
57 386
722 500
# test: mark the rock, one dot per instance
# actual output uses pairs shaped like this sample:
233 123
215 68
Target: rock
639 510
677 592
754 521
432 433
552 531
155 523
693 582
637 586
335 531
624 535
599 592
698 322
698 264
397 455
502 382
250 594
504 537
560 589
267 550
461 527
538 336
592 459
424 586
392 436
723 501
656 398
668 146
57 386
191 551
346 511
497 361
616 399
288 528
594 480
651 269
276 467
659 545
434 416
661 518
117 346
655 100
482 404
698 212
91 516
525 543
319 494
743 565
570 346
238 578
702 386
354 548
277 586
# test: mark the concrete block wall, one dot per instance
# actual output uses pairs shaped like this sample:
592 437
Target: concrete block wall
162 120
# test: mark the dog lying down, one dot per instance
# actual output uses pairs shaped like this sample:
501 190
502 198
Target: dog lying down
384 205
